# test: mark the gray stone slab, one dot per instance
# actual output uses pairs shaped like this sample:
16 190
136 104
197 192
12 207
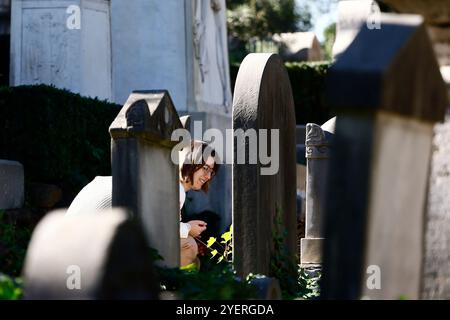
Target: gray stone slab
263 100
375 166
436 271
92 256
11 185
145 180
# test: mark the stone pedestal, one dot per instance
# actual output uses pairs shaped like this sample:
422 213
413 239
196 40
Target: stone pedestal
64 43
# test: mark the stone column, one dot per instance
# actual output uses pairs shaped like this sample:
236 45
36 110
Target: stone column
65 43
145 179
318 146
388 92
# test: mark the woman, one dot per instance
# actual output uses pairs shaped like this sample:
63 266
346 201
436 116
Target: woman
198 165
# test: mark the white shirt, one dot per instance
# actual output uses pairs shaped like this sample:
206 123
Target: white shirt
184 227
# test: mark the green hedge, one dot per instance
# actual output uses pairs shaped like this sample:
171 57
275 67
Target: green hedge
59 137
308 86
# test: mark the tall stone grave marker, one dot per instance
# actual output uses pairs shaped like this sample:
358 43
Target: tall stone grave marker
436 273
389 92
263 100
65 43
145 179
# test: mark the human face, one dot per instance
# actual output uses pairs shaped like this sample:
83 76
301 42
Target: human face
204 174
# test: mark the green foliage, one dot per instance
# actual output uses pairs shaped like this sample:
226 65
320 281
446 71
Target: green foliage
308 285
59 137
282 263
13 244
308 88
225 246
251 21
10 289
330 36
218 282
262 18
294 281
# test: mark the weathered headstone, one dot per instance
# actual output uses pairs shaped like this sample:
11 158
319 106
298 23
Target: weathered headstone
436 272
263 100
62 43
436 275
388 92
299 46
318 145
145 179
352 16
11 185
98 256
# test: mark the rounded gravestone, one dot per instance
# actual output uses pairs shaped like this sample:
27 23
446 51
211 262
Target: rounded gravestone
263 188
89 256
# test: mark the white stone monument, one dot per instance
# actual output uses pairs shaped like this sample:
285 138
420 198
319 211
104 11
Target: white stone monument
62 43
108 49
179 46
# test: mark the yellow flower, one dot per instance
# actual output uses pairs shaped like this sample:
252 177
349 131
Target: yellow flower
226 237
210 242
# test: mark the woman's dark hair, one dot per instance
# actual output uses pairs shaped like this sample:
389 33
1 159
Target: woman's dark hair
195 159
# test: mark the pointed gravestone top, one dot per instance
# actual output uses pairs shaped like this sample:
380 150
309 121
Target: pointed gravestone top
150 115
378 74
